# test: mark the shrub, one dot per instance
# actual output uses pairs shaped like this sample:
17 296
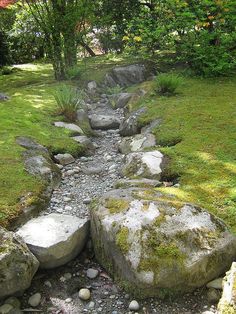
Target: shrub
73 73
68 101
166 84
114 90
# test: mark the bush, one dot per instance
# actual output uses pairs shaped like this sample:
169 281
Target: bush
166 84
73 73
68 101
114 90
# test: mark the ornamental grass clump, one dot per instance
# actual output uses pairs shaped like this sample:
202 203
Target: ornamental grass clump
167 84
68 101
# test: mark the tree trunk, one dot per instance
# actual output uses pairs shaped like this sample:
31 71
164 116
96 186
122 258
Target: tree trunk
87 48
70 49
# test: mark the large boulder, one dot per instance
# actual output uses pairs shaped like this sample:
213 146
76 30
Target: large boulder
126 75
136 143
155 246
148 165
122 99
130 125
37 162
227 304
55 239
17 264
104 122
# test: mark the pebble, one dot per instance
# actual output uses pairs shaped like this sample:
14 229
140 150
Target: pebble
68 300
92 273
91 305
67 276
134 306
87 201
48 284
84 294
6 308
35 300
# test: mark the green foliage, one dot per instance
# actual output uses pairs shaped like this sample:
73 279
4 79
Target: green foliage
114 90
68 101
166 84
73 72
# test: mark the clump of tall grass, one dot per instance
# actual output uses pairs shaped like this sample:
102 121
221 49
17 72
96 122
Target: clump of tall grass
167 84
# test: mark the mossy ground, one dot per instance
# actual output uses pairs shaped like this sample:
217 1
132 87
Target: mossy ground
201 122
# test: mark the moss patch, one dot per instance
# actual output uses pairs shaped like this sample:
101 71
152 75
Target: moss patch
116 205
122 239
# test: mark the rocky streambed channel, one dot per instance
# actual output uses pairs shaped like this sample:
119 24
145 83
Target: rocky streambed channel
109 240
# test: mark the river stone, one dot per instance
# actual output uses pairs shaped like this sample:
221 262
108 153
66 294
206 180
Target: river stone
122 99
35 299
227 304
69 126
86 142
156 246
104 122
84 294
92 87
126 75
6 308
55 239
13 301
130 125
17 264
144 164
136 143
216 284
64 159
30 143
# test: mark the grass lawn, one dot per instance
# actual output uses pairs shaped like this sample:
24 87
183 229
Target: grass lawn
201 119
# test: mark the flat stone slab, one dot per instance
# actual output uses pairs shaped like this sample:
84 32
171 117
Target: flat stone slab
55 239
69 126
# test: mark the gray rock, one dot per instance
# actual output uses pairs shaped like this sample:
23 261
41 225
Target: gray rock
92 170
134 306
86 142
92 273
3 97
35 300
64 159
6 308
55 239
84 294
227 302
91 305
16 311
130 125
92 87
216 284
213 296
104 122
122 99
136 143
126 75
69 126
151 127
30 143
144 164
17 264
156 248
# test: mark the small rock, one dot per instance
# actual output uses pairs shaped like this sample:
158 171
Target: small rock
6 308
134 306
84 294
64 159
68 300
92 273
91 305
13 301
48 284
213 295
35 300
67 276
215 284
87 201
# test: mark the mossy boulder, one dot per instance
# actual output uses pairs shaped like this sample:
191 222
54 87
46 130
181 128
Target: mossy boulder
17 264
155 247
227 304
136 143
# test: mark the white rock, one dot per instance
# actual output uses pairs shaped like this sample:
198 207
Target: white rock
92 273
91 305
216 284
68 300
134 306
48 284
69 126
84 294
35 300
55 239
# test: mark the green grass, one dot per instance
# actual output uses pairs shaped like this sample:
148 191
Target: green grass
29 112
201 119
